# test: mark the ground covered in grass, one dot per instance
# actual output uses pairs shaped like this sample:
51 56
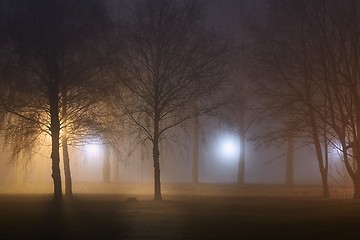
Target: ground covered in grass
187 212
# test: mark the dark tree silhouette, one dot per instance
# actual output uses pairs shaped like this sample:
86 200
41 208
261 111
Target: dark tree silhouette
336 36
52 57
284 65
171 70
310 58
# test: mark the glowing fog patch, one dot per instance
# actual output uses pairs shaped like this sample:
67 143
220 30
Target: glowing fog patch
93 149
336 152
227 147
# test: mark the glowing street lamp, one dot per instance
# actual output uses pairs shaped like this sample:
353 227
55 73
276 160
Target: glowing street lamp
228 147
93 149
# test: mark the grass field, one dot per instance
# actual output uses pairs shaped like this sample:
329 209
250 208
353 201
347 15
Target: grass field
203 212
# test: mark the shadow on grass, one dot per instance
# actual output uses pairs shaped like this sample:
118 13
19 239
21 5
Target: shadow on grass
36 217
111 217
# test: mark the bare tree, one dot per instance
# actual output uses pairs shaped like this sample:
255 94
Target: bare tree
336 31
327 68
171 70
292 93
48 58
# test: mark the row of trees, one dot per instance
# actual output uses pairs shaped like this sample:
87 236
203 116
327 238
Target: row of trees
71 70
307 69
76 71
50 54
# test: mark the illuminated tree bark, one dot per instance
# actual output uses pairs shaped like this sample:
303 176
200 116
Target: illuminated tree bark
55 136
67 170
48 62
64 144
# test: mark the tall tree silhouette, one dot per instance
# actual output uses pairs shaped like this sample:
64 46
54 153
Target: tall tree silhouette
52 57
172 70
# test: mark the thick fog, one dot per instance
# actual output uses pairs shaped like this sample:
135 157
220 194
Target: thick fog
218 150
218 161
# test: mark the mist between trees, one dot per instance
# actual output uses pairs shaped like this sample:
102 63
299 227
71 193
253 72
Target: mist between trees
307 69
76 71
137 73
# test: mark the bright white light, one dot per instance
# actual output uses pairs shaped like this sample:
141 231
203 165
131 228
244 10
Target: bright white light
93 149
229 148
336 152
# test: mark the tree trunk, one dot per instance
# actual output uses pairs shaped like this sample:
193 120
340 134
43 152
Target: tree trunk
55 134
356 195
241 169
142 163
195 168
325 185
106 166
156 156
290 159
355 170
324 170
66 159
157 186
322 160
242 109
